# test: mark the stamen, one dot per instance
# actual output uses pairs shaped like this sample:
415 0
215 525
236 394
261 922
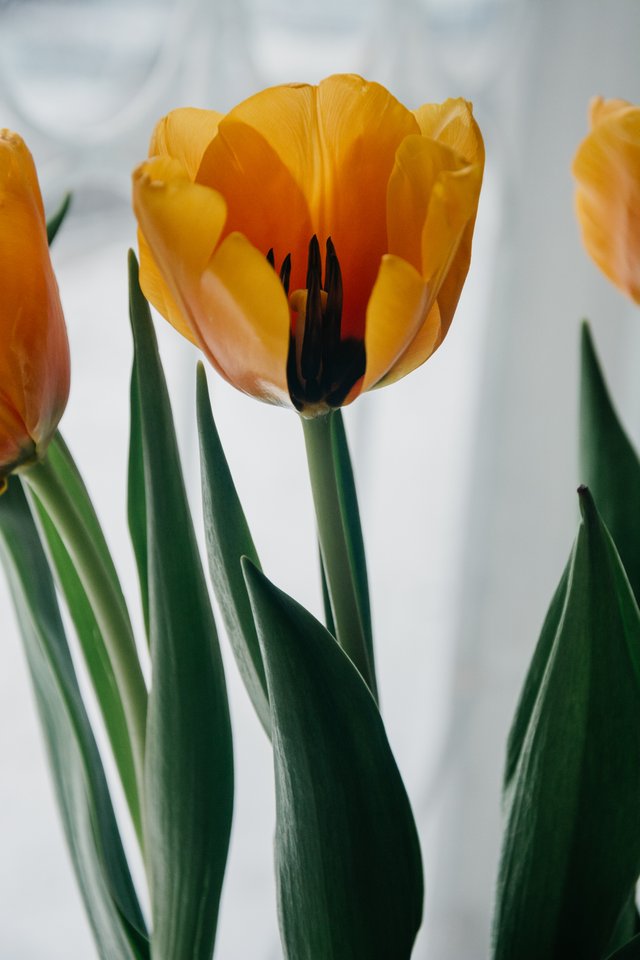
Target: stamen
311 354
285 273
333 309
271 258
322 368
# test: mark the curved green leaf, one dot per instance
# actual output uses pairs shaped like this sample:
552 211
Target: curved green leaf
228 539
81 788
609 464
92 642
136 497
630 951
189 762
534 678
55 222
347 853
96 659
571 852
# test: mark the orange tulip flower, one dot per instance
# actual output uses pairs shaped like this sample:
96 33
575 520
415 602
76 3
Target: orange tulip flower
34 351
314 241
607 168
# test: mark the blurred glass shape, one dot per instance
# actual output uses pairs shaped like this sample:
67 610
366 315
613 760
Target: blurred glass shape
310 40
470 38
87 71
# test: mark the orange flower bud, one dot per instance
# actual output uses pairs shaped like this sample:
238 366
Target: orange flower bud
607 168
34 351
314 241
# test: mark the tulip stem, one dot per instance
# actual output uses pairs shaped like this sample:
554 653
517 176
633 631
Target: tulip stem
106 600
334 545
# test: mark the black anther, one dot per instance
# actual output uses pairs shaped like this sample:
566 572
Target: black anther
322 368
285 273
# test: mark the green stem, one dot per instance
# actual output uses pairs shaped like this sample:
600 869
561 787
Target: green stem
334 547
105 598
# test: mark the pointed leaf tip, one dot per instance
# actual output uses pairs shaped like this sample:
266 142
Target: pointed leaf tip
189 758
571 849
228 538
609 463
347 853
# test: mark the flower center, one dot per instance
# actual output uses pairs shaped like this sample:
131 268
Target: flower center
322 367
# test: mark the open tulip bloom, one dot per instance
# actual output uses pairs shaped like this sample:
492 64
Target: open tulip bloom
313 243
314 240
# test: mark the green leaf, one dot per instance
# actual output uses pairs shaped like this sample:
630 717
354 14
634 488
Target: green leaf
55 222
352 527
92 643
81 788
630 951
627 926
189 761
535 676
228 539
326 599
347 853
609 465
571 852
63 464
136 497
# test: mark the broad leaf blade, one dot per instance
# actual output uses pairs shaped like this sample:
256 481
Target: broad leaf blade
534 678
352 527
189 763
326 599
347 853
81 788
609 464
228 539
571 853
630 951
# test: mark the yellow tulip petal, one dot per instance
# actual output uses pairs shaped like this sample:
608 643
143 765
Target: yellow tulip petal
360 127
447 236
432 201
34 361
399 306
418 167
452 123
264 202
157 292
601 109
424 344
299 160
245 321
607 168
181 223
17 169
185 134
15 446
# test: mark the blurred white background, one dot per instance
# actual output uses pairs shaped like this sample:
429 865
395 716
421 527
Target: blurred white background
466 469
